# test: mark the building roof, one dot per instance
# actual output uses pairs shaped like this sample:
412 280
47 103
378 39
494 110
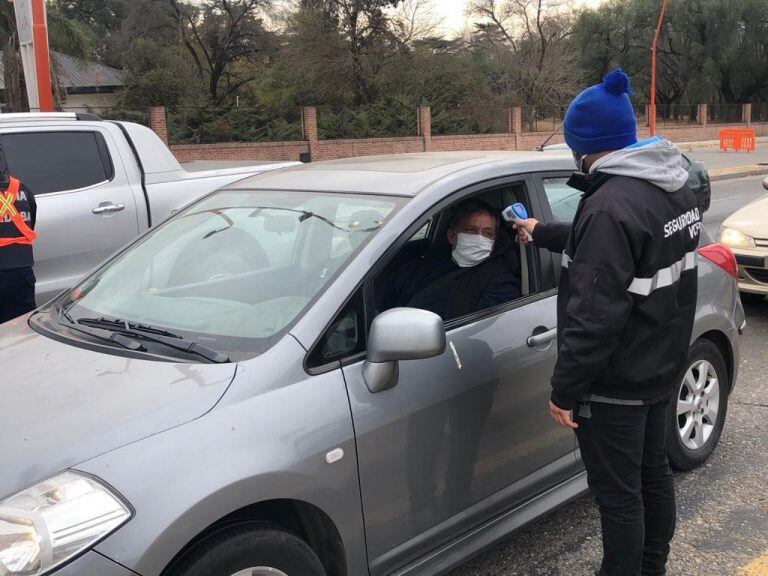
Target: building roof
78 76
403 174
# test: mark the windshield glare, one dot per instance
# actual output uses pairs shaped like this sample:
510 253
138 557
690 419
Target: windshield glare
234 270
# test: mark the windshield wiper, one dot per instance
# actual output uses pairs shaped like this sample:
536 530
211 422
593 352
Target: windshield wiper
100 333
158 335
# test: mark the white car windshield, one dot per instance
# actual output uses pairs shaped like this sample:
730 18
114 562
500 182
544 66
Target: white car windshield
233 271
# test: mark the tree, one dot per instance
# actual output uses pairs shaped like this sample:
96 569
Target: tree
158 75
526 48
218 35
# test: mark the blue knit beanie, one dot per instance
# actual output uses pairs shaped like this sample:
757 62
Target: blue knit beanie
601 118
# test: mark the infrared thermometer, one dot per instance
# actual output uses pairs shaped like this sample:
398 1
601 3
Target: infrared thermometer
516 212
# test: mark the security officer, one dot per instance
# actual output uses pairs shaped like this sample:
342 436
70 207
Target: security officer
626 306
18 212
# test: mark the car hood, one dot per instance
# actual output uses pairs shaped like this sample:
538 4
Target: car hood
752 219
61 405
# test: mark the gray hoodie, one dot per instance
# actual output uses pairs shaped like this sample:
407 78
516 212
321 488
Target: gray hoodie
654 160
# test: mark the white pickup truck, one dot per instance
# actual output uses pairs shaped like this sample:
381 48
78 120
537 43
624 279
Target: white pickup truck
98 184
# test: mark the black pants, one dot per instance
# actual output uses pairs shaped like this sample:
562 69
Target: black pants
625 454
17 293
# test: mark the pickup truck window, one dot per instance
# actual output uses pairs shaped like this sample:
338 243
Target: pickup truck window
58 161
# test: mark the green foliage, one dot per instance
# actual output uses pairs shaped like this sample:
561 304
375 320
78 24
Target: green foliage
388 117
445 122
158 75
230 124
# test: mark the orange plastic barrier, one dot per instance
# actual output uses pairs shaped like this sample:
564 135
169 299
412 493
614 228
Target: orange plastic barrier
738 139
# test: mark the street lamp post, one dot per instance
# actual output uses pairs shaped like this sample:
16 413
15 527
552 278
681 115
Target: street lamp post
653 68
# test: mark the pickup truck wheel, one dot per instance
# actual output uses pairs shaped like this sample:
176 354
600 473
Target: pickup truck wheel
251 549
697 412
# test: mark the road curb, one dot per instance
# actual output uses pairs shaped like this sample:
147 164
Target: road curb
718 175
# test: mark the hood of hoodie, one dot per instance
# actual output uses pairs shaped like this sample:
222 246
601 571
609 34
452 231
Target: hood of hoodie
654 160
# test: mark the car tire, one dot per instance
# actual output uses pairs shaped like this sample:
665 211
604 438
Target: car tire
697 412
751 298
251 549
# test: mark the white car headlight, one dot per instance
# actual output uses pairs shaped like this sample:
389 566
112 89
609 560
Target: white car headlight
733 237
45 525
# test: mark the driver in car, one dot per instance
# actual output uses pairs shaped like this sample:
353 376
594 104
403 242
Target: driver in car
472 273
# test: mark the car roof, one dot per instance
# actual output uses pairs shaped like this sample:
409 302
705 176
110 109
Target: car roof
400 174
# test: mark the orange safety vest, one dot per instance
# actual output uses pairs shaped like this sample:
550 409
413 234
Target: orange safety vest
8 207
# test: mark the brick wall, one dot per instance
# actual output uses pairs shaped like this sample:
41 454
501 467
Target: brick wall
424 141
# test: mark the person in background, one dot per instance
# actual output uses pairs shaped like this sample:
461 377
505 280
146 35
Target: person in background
18 213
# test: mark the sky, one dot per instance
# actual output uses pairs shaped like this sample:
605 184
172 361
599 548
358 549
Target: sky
453 12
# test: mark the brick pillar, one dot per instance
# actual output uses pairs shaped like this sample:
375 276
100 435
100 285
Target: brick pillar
309 130
703 115
746 114
517 122
424 126
158 122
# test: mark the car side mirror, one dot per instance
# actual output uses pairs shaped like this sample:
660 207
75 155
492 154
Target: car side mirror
400 334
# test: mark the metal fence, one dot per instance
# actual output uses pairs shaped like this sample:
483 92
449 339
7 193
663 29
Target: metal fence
667 114
391 119
488 119
542 118
759 112
725 113
208 124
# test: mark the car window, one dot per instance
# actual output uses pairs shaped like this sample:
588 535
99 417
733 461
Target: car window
237 268
432 280
563 200
345 336
422 232
58 161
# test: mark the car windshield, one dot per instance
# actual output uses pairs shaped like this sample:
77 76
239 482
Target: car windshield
233 271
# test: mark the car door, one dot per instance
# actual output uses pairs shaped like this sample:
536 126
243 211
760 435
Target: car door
86 209
462 436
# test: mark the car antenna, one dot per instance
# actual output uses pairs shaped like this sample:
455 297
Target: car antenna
541 146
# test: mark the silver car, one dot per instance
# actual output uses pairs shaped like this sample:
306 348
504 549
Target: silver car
228 396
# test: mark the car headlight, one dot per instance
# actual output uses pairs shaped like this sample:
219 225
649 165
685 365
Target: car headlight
49 523
733 237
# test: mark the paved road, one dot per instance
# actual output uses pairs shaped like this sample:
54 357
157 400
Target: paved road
723 506
714 158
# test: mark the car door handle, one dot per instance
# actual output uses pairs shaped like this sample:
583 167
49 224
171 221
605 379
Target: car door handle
108 208
541 337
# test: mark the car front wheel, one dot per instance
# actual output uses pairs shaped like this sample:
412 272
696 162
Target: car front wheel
697 413
251 549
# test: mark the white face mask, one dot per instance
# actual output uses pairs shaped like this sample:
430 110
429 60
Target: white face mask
578 157
471 249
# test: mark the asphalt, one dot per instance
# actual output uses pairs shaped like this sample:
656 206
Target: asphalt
722 506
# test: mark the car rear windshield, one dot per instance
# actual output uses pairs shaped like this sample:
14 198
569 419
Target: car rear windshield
236 269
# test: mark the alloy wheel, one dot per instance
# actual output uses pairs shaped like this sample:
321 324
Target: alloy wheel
698 403
260 571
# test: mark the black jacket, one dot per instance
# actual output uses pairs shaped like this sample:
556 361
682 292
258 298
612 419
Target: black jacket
17 255
627 295
436 283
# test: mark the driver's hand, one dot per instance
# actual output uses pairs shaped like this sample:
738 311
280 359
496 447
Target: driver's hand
523 226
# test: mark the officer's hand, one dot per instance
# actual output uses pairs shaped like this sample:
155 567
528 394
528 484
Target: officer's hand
562 417
523 226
